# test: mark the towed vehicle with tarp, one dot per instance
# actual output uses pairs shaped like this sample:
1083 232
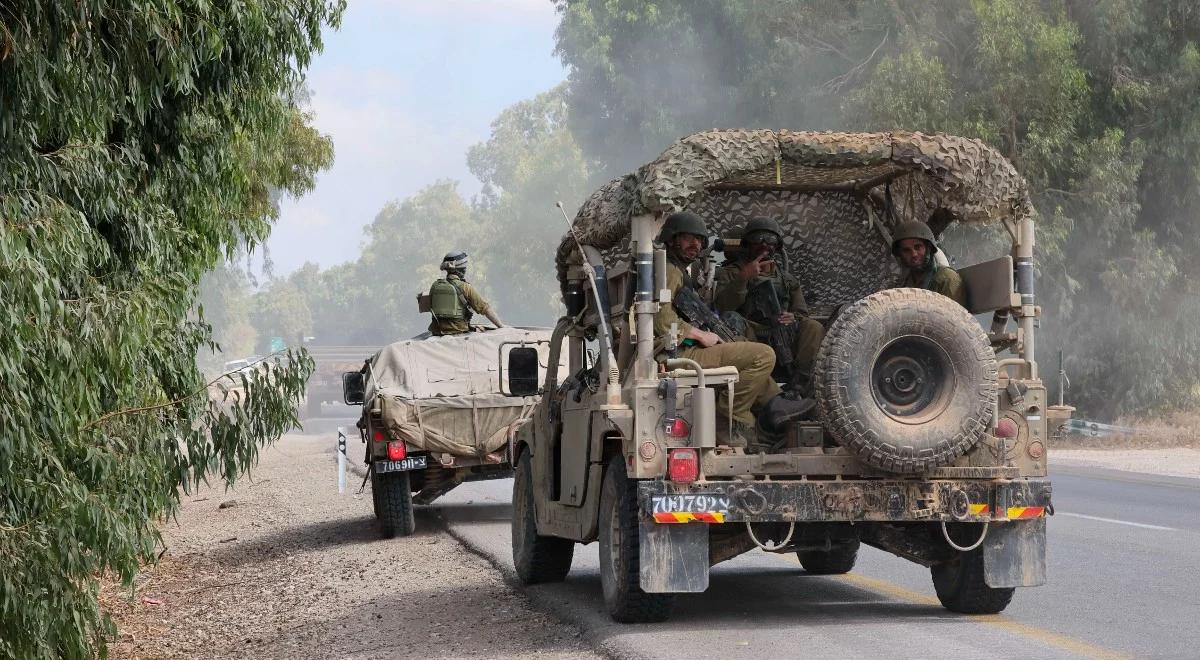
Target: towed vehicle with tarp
436 414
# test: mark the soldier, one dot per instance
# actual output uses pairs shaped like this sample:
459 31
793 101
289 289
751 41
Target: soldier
914 247
773 303
452 300
685 236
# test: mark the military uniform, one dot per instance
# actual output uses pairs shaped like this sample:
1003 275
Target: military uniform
941 279
732 292
944 280
754 362
473 303
802 338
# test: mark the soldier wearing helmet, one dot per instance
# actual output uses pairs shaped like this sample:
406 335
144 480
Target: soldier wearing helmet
453 301
685 236
914 247
771 299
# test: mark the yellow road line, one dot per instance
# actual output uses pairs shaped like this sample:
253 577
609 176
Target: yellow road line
898 592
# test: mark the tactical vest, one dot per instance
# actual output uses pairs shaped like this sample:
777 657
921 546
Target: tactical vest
446 301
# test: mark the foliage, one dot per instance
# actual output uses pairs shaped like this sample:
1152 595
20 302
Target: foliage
529 162
138 146
1093 101
225 297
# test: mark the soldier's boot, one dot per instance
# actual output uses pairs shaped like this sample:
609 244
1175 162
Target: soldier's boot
743 435
800 385
781 411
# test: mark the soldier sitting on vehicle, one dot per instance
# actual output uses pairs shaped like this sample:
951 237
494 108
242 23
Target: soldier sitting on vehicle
914 247
771 299
685 236
452 301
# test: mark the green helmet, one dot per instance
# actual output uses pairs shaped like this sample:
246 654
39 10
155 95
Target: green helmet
759 226
914 229
683 222
453 261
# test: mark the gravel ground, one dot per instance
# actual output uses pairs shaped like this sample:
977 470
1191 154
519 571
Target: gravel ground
288 568
1174 462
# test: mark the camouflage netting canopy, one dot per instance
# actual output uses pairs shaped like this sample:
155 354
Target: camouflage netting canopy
836 195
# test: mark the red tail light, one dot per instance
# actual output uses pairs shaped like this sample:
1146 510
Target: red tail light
678 428
378 437
683 464
1006 428
396 450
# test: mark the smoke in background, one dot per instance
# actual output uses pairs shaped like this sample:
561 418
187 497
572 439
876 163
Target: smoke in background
1093 102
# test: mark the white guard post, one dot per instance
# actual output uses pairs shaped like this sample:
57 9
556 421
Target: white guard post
341 460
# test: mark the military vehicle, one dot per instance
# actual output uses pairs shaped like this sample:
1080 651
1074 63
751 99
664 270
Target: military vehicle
325 383
435 414
927 445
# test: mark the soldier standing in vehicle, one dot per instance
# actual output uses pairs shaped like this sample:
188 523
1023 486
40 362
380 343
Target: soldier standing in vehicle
772 301
452 300
685 236
914 247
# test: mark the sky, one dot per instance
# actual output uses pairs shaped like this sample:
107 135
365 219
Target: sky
404 88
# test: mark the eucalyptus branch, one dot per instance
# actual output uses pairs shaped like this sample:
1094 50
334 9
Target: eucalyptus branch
167 404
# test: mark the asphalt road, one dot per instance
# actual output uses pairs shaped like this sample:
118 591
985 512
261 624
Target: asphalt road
1123 581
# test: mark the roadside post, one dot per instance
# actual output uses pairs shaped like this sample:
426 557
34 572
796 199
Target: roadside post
341 460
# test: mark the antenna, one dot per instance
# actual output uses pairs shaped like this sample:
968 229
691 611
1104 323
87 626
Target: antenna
614 388
591 271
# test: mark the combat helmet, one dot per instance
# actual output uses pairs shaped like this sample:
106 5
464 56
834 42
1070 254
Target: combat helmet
913 229
760 225
456 260
683 222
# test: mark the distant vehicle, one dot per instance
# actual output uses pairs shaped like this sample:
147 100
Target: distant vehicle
927 446
325 383
435 414
234 366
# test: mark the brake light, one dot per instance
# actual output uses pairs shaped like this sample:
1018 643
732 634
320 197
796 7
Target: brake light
379 437
683 464
1006 428
678 428
396 450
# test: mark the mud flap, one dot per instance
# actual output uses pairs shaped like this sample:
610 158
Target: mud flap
1014 554
674 557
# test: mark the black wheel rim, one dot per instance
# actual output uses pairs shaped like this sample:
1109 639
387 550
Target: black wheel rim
912 379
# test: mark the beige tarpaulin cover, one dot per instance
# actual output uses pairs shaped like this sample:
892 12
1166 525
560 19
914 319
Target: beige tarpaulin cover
443 394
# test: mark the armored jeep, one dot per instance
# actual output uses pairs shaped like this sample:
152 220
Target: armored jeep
926 444
435 413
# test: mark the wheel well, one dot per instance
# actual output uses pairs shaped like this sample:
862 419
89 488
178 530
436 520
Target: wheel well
614 444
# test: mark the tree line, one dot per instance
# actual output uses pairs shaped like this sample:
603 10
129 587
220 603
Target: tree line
1093 101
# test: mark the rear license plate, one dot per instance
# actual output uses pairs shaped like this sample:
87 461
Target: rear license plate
689 504
410 463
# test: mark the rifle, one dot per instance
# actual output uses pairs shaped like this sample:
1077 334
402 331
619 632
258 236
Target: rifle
692 308
766 309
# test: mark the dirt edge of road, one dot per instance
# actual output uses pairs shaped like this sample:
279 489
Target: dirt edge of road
534 596
282 566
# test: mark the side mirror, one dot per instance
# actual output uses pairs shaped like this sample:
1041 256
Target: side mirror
522 371
354 385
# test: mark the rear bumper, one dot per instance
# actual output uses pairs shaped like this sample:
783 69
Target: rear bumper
960 500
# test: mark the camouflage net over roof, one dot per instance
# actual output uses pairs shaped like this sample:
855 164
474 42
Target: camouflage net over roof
826 190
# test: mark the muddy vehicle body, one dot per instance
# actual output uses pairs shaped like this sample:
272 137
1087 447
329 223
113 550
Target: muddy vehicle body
926 444
435 414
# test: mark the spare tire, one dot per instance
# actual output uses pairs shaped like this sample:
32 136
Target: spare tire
906 379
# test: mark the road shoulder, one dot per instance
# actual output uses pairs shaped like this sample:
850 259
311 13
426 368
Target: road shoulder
1175 462
283 566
